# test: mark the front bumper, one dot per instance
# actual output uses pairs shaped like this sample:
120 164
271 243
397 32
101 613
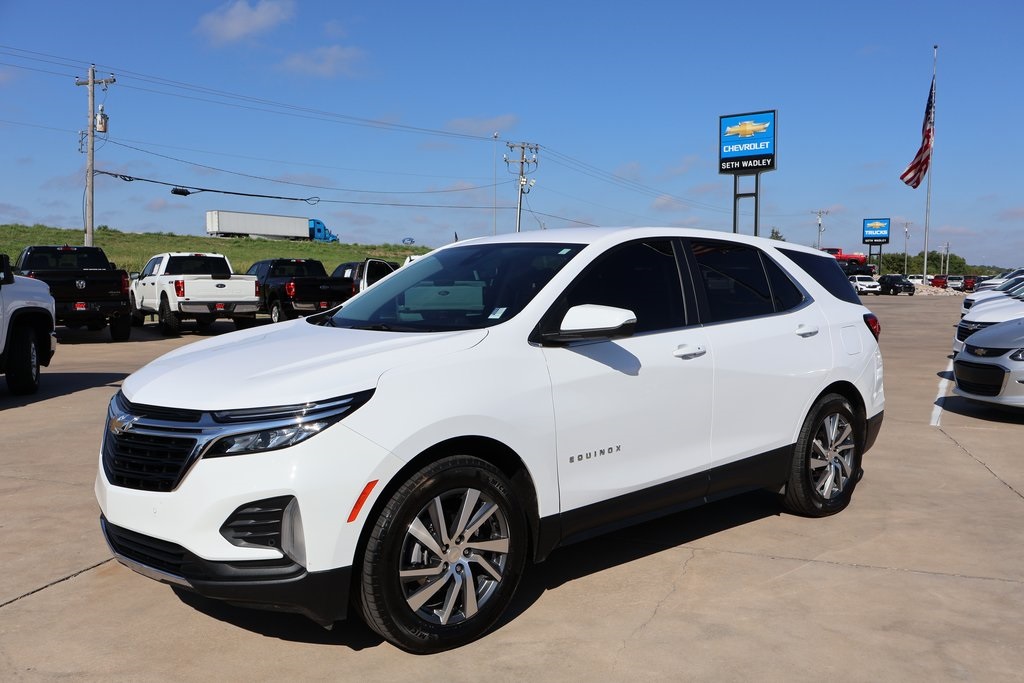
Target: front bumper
997 383
280 585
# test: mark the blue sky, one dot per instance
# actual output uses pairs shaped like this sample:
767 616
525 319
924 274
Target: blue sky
386 112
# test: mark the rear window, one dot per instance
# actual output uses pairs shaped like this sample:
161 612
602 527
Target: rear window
66 258
197 265
826 272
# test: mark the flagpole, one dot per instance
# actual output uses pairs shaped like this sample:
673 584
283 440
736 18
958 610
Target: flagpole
931 165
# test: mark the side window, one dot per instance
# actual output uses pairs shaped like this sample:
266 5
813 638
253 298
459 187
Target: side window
785 294
826 272
642 277
734 280
150 267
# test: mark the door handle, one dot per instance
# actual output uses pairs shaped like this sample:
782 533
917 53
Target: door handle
806 331
688 351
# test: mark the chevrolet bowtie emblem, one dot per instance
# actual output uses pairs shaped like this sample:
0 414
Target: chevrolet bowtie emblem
875 225
122 423
746 129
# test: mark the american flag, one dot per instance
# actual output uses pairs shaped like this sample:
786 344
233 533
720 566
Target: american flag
915 172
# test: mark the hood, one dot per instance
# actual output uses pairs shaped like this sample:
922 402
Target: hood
283 364
995 311
1005 335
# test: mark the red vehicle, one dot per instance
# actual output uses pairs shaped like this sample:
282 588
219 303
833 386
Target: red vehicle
938 281
852 264
970 281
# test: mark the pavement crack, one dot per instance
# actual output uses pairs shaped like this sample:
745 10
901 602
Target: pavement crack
55 582
973 457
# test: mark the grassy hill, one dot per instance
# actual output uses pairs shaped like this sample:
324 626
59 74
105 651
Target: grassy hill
131 250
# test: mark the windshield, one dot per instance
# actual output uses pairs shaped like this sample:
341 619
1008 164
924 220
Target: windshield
460 288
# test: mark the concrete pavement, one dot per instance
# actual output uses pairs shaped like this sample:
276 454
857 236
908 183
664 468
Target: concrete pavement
920 579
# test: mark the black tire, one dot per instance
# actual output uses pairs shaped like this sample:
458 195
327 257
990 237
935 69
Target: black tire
23 361
121 328
137 317
170 323
429 609
826 460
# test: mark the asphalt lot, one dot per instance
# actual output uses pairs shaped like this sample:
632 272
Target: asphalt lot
920 579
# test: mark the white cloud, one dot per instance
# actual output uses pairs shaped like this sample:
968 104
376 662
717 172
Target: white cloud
489 126
238 20
330 61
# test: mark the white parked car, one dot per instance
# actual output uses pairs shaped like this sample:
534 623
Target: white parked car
1008 288
993 282
865 284
483 405
986 314
991 367
916 279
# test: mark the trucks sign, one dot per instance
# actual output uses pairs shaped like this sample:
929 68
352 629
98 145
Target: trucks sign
876 230
746 143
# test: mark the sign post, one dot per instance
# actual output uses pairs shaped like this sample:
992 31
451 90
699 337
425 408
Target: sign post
876 231
746 146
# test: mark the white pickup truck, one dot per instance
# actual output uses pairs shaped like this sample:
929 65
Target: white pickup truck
26 329
200 286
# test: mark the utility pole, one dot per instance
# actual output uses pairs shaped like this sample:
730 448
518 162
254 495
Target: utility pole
95 121
526 165
820 213
906 239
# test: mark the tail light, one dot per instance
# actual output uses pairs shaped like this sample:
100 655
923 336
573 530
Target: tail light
289 289
125 283
871 320
257 287
179 288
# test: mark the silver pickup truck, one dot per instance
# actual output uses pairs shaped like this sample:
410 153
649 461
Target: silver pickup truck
180 286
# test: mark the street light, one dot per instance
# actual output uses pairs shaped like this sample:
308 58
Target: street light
906 238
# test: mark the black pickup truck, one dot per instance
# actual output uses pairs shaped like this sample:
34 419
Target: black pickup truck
88 290
362 274
294 287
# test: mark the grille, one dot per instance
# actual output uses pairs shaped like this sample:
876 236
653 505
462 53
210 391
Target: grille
257 523
145 461
175 560
152 552
979 379
985 351
963 331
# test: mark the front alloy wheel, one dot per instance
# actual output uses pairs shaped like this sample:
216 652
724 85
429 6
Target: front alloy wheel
444 556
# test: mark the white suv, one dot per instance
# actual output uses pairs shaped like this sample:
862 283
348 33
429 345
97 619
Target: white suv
865 284
482 406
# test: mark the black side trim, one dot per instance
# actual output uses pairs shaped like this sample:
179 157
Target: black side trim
767 470
874 425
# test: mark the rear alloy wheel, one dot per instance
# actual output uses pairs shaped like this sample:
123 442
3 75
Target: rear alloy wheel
444 557
826 460
276 314
23 361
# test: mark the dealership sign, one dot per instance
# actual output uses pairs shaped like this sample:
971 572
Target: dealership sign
746 143
876 230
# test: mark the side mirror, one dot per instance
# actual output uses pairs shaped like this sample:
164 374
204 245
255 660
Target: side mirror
593 321
6 274
134 275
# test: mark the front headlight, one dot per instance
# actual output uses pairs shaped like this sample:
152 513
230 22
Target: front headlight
1017 355
279 427
267 439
